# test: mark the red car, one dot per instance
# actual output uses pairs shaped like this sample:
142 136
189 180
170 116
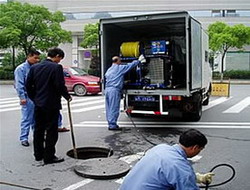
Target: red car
79 82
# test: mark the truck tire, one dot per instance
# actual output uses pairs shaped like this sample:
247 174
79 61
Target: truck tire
195 114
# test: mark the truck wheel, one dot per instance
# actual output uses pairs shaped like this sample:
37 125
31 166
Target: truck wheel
80 90
196 112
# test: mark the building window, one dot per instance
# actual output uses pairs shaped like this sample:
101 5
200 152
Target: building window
216 13
231 13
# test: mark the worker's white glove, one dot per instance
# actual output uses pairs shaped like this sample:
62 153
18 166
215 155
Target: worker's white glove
142 59
204 178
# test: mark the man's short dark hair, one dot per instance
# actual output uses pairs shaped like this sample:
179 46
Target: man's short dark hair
53 52
33 52
192 137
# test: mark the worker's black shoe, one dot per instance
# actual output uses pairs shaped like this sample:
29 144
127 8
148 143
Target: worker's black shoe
38 158
25 143
54 160
115 129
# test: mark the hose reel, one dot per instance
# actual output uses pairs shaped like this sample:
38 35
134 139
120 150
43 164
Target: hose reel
130 49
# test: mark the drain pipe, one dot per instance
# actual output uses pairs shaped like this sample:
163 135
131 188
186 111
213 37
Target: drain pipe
72 132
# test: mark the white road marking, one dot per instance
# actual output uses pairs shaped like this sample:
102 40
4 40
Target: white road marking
82 99
85 104
239 106
11 101
87 109
10 109
215 102
4 99
79 184
131 158
10 105
208 125
169 123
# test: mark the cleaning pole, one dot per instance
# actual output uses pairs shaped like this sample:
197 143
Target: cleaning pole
72 132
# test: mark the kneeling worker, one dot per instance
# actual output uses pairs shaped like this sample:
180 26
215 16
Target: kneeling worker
166 167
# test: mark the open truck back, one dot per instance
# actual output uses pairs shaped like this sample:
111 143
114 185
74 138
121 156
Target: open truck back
176 79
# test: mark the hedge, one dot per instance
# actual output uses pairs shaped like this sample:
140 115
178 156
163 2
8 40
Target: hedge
6 74
233 74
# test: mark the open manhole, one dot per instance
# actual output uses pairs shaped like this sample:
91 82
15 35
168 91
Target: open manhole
91 152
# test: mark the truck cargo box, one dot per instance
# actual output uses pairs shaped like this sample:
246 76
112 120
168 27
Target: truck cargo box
176 49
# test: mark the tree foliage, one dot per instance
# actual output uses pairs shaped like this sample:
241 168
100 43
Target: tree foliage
90 36
222 37
26 26
91 41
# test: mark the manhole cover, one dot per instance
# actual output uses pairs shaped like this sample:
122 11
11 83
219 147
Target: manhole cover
91 152
102 168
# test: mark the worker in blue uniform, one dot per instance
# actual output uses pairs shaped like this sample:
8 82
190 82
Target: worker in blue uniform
27 106
166 167
113 88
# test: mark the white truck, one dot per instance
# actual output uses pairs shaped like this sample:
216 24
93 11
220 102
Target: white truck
176 79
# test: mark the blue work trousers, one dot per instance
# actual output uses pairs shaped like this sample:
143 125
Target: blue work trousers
112 103
27 121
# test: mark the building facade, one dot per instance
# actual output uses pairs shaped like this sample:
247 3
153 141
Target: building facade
79 13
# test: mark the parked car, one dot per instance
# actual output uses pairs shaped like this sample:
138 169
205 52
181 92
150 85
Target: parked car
79 82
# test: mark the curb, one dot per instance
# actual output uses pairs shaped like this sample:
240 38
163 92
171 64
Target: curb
6 82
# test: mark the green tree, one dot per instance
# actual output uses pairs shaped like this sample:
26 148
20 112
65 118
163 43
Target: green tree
91 41
90 36
222 37
26 26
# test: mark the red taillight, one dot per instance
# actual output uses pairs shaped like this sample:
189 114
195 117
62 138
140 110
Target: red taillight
175 98
157 113
165 97
178 98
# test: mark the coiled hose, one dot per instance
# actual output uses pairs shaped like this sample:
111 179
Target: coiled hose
224 182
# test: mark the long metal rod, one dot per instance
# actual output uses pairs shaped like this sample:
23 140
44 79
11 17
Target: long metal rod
72 132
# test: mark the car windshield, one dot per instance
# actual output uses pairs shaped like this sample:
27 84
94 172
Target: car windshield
77 71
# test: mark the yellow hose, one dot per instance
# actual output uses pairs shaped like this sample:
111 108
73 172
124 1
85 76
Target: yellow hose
130 49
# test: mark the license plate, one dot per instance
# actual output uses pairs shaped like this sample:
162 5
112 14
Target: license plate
144 98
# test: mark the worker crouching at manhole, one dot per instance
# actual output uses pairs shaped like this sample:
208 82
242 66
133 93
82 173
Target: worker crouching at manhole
166 167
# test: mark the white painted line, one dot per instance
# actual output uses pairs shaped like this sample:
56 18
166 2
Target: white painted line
81 99
85 104
168 123
239 106
4 99
87 109
131 158
119 181
79 184
11 101
10 105
215 102
10 109
169 126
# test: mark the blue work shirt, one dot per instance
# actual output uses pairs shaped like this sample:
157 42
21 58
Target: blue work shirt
115 74
21 73
163 167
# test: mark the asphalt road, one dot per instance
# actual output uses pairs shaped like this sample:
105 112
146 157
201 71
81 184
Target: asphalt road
225 121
